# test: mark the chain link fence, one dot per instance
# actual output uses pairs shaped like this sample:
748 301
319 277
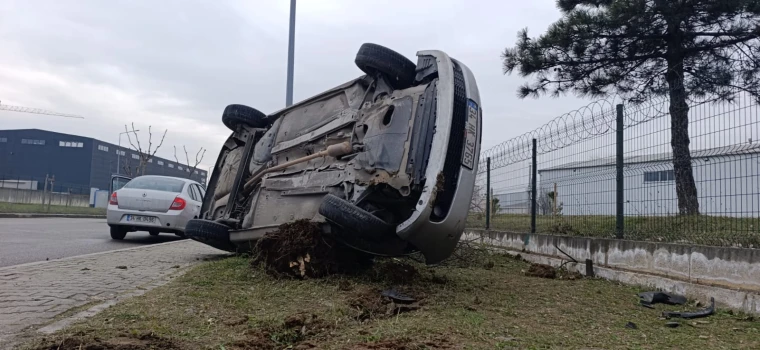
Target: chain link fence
608 170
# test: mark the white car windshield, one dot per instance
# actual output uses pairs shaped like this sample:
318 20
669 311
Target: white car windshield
156 184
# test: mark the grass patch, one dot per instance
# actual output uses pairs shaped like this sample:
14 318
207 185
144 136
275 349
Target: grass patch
486 302
54 209
701 229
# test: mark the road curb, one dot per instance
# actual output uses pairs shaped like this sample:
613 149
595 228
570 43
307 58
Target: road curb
33 215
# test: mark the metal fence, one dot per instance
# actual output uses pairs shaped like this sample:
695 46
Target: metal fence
606 170
37 183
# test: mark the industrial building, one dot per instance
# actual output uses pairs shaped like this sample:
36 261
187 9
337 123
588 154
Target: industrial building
727 181
78 163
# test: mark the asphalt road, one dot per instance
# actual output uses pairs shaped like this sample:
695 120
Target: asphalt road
39 239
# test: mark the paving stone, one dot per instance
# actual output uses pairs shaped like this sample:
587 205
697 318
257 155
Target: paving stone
34 295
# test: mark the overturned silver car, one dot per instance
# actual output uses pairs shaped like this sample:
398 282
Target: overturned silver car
386 162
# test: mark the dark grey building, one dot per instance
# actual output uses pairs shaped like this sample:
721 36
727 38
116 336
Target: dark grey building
78 163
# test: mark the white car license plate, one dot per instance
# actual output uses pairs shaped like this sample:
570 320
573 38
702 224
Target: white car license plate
140 218
470 135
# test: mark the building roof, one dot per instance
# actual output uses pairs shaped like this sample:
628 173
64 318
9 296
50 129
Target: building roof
748 148
124 147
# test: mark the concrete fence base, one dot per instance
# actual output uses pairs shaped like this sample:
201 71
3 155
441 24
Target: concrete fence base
21 196
730 275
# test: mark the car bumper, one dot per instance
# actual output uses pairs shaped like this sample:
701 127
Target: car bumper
437 238
170 221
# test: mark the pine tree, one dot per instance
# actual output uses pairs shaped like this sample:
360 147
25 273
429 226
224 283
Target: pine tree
681 49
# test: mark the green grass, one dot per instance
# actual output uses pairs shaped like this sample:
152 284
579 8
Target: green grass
702 229
54 209
227 304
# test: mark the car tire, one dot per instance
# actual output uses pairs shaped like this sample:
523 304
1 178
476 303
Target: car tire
153 233
118 233
399 70
235 115
354 219
210 233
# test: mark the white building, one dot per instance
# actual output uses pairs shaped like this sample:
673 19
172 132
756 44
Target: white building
727 179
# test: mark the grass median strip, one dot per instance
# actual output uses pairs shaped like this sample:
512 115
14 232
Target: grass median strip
483 301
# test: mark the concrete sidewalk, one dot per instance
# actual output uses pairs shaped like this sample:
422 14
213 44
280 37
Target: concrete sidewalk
32 295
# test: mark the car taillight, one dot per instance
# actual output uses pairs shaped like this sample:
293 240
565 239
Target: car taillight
113 200
178 204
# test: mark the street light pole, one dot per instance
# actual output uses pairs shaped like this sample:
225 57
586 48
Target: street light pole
118 152
291 48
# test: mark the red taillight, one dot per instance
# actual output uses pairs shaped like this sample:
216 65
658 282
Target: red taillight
178 204
113 200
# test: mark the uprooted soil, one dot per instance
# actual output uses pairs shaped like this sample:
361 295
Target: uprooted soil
406 344
125 342
300 249
297 329
541 270
369 304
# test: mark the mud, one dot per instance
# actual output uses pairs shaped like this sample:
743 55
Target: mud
395 272
541 270
126 342
300 249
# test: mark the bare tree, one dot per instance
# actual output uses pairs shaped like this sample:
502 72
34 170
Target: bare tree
198 158
478 202
145 155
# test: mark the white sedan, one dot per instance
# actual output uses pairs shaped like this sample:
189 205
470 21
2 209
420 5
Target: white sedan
155 204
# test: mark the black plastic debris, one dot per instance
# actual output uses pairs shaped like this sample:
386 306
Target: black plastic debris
696 314
661 297
631 325
672 324
396 296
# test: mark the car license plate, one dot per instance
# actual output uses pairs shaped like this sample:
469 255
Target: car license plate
140 218
470 135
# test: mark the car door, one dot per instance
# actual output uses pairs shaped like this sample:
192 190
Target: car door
117 182
196 198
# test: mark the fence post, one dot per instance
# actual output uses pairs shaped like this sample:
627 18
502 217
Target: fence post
50 195
488 193
620 191
533 190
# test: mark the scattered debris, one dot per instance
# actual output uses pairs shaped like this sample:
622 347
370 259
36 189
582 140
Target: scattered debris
397 297
541 270
696 314
672 324
121 267
648 306
661 297
489 265
631 325
85 269
369 305
175 266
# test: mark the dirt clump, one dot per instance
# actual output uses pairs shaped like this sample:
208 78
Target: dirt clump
300 249
395 272
370 304
541 270
125 342
405 344
295 332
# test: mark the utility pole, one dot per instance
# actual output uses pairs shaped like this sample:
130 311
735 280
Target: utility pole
291 48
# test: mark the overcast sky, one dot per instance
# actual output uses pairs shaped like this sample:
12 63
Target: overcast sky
176 64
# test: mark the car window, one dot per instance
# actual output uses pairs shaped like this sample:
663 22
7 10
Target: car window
194 193
203 192
156 184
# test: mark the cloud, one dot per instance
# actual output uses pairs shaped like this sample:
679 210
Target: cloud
176 64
